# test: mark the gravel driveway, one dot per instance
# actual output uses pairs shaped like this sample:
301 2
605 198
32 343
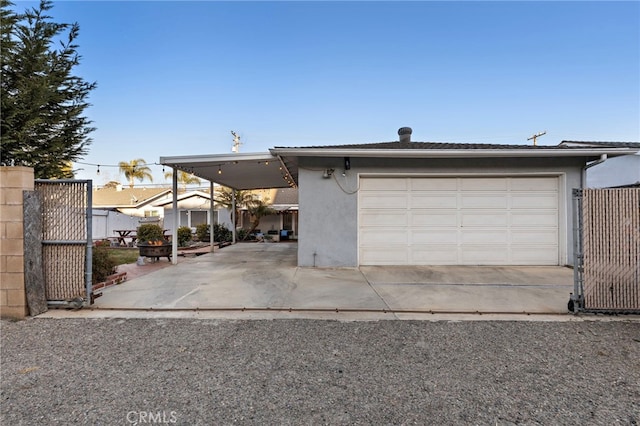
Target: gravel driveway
179 371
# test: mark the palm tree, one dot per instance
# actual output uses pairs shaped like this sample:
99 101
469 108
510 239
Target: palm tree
135 169
258 210
245 199
184 178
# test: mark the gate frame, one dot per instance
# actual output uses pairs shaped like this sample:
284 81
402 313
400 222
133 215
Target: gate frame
88 273
577 298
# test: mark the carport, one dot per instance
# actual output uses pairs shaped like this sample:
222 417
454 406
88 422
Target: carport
241 171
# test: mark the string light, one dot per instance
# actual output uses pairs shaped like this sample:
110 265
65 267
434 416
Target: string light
219 170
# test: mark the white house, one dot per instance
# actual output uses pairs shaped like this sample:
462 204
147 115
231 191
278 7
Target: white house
118 208
194 210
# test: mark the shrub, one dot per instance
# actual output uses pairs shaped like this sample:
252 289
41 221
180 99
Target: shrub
102 265
150 232
241 234
184 235
221 233
202 232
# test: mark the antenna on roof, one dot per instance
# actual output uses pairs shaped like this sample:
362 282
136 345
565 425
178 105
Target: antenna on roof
537 135
236 142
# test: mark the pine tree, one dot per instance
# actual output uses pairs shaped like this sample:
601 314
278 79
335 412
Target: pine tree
42 123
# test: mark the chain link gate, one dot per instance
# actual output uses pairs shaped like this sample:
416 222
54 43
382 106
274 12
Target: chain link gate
66 241
606 251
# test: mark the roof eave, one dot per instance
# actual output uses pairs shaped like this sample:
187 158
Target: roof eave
450 153
215 158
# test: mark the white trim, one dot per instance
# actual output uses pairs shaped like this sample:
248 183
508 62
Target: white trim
451 153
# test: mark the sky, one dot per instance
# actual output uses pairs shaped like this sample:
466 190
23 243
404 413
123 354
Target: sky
176 77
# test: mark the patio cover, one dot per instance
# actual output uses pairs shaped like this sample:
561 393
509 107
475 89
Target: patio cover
241 171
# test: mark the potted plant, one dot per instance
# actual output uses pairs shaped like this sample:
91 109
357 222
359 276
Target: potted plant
149 232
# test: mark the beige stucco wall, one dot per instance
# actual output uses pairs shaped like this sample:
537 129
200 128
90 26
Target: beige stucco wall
13 181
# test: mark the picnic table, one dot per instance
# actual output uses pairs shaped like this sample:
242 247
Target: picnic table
124 234
130 234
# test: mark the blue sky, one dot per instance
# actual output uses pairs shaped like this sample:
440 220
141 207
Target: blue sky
175 77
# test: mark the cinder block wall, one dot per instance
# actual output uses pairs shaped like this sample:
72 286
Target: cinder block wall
13 181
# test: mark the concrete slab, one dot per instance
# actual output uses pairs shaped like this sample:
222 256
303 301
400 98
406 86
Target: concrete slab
530 289
261 280
494 275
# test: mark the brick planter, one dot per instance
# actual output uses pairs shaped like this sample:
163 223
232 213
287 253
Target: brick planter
111 280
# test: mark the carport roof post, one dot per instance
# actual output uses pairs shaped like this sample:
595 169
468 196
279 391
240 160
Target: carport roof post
237 171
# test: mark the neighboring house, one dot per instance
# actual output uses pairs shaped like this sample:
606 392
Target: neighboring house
615 172
420 203
125 208
194 210
285 202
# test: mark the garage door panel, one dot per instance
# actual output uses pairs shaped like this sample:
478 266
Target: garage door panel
535 236
433 218
488 200
534 184
527 218
489 236
384 218
484 255
483 184
434 236
481 218
386 255
541 255
436 184
434 200
534 201
383 236
379 200
429 255
459 220
384 184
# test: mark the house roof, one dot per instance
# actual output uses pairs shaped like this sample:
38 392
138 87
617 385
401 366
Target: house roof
399 149
602 144
286 196
278 168
126 197
183 196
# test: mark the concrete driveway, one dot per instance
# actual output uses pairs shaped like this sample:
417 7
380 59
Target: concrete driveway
263 276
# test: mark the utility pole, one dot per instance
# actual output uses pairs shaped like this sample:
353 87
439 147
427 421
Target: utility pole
236 142
537 135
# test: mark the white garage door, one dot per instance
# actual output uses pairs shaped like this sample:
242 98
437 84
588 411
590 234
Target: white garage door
458 221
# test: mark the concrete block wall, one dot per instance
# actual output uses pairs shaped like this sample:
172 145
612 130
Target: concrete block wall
13 181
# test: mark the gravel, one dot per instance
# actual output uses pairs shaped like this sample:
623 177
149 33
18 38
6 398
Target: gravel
183 371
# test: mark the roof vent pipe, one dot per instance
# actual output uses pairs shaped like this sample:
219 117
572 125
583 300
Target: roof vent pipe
405 134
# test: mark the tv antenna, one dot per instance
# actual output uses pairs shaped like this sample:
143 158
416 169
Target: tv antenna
536 136
236 142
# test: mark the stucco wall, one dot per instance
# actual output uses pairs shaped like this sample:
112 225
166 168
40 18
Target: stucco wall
328 228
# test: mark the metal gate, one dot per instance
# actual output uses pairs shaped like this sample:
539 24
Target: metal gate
66 240
607 250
